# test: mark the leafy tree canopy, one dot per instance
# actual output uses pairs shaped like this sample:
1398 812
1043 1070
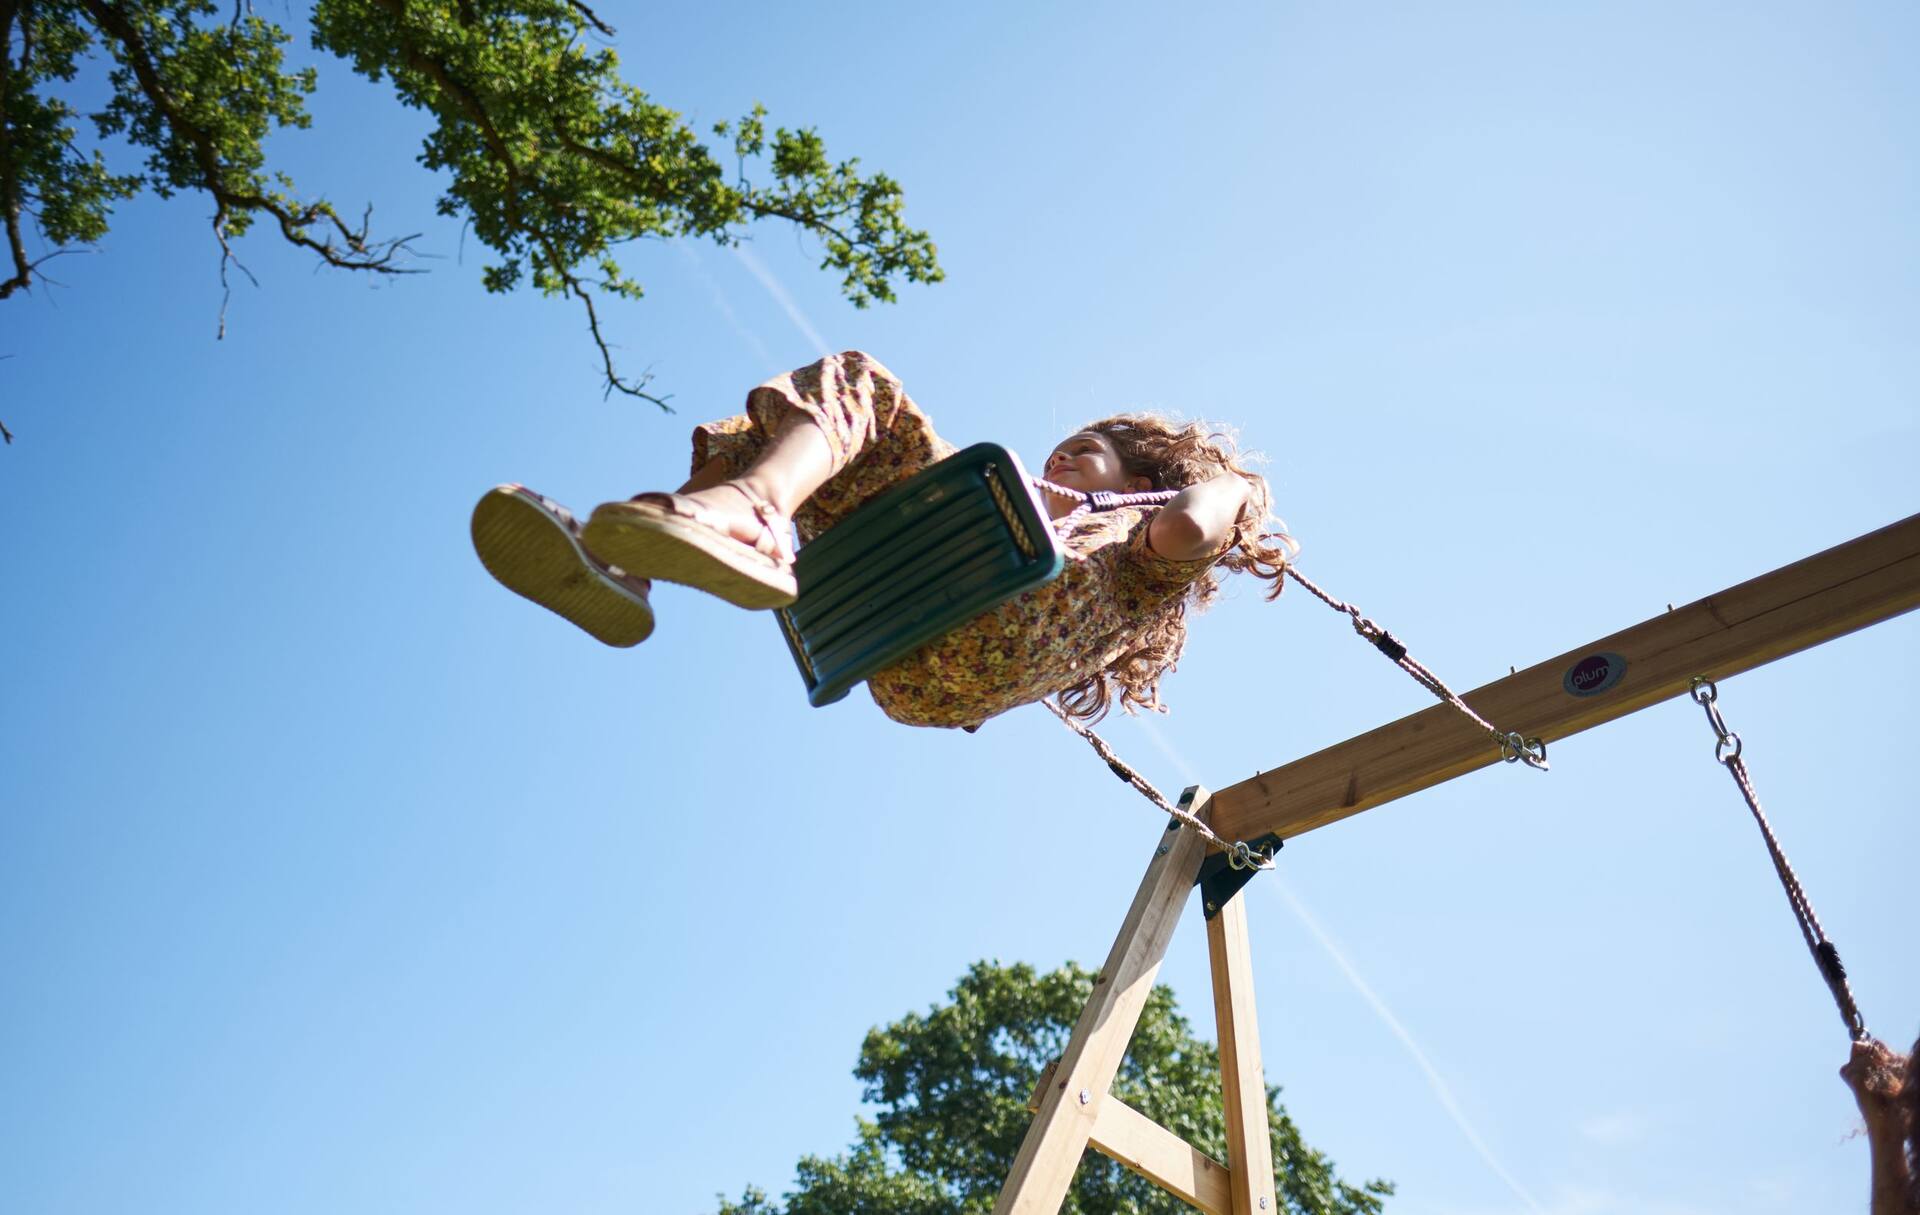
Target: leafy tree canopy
551 159
952 1087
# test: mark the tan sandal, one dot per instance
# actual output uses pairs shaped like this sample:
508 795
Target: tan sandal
531 545
674 538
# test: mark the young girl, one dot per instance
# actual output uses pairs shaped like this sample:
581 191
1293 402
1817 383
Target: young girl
815 444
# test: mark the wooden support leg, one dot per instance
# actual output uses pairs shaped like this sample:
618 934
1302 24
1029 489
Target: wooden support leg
1043 1170
1249 1142
1151 1150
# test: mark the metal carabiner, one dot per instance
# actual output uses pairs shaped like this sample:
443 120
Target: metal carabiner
1536 755
1719 723
1514 747
1705 694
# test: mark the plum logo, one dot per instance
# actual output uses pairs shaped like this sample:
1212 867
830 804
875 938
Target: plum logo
1594 674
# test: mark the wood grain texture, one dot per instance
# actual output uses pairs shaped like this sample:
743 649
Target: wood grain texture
1151 1150
1162 1157
1864 581
1061 1129
1243 1081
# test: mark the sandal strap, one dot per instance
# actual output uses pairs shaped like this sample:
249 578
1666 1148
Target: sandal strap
772 539
770 543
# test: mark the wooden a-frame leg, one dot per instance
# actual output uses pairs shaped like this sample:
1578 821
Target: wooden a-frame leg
1249 1141
1043 1170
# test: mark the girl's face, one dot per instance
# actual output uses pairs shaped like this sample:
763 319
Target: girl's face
1087 462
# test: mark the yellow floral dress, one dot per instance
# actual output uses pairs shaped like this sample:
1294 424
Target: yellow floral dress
1047 639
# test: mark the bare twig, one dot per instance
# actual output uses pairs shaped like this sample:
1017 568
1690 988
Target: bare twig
227 256
592 18
615 382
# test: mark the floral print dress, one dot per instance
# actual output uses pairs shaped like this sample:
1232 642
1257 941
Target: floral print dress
1040 642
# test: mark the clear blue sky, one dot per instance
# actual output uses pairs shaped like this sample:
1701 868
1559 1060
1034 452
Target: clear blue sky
334 878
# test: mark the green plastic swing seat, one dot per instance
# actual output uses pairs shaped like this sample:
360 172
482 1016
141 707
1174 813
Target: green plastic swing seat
912 564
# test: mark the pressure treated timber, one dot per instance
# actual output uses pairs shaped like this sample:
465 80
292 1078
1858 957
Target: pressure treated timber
1162 1157
1044 1167
1151 1150
1864 581
1243 1082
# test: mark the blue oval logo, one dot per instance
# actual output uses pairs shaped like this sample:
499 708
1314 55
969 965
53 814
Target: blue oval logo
1594 674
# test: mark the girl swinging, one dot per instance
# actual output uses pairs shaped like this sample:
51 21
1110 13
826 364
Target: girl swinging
816 443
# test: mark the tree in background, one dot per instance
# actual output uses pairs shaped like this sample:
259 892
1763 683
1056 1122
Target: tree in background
952 1088
550 158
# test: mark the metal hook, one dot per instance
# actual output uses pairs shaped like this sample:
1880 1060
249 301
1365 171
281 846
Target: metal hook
1514 748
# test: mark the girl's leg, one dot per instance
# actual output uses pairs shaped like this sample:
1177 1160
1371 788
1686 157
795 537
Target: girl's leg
813 444
794 463
874 436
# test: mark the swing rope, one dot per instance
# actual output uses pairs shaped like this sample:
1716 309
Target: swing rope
1825 955
1103 499
1240 854
1513 746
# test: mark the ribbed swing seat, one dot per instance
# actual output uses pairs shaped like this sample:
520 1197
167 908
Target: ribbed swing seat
914 563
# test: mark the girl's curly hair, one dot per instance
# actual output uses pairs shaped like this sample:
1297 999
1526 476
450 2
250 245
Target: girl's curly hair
1174 455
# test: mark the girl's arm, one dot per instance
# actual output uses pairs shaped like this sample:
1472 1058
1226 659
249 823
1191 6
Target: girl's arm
1196 523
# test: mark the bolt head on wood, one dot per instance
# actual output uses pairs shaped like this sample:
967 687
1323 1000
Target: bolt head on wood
1085 1096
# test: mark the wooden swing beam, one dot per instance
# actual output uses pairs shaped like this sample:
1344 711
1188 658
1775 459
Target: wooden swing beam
1850 586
